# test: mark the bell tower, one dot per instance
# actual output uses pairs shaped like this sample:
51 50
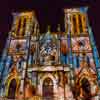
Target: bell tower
16 53
82 46
24 24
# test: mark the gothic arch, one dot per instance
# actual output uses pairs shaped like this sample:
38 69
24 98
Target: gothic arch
84 77
12 76
40 88
12 89
91 82
8 85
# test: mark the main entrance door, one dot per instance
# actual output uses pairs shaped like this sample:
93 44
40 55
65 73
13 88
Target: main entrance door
48 89
12 89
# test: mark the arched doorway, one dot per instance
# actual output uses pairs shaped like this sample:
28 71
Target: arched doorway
86 88
12 89
48 89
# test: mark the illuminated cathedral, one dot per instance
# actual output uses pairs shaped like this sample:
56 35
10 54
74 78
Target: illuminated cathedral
50 65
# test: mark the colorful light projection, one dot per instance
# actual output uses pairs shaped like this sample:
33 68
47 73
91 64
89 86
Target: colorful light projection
81 44
60 65
18 45
48 49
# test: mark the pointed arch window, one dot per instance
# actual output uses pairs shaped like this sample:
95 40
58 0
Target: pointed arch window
80 23
24 26
19 25
74 24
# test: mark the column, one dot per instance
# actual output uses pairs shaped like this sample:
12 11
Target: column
22 78
69 38
69 23
83 18
66 23
17 24
72 26
32 25
21 28
77 24
28 25
58 49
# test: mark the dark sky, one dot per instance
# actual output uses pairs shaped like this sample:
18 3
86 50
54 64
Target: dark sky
48 12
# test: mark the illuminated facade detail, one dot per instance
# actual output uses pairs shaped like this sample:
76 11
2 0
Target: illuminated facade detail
85 60
52 65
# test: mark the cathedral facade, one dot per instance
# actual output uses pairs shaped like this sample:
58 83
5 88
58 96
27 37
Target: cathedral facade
51 65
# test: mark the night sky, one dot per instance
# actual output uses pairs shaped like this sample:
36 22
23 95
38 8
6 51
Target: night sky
48 12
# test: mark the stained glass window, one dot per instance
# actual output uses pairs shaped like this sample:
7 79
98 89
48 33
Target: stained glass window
64 49
48 50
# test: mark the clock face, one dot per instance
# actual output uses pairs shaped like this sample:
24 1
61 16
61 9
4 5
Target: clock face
81 44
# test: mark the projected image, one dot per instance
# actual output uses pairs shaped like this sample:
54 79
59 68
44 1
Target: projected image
18 45
81 44
50 65
48 52
81 60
